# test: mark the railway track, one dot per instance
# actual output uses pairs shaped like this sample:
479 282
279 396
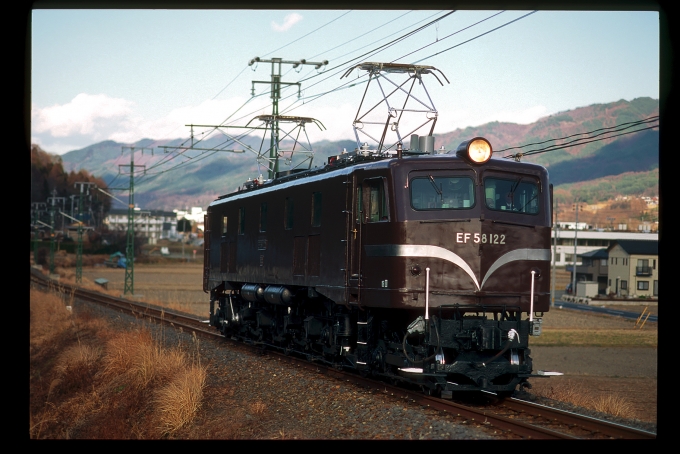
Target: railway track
510 418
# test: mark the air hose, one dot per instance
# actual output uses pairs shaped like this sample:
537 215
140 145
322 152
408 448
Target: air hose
511 337
418 327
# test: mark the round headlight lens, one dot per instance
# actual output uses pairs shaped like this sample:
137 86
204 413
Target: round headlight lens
479 150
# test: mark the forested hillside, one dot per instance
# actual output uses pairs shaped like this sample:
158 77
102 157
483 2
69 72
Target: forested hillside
50 180
590 152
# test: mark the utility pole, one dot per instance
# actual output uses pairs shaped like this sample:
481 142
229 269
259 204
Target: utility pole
275 85
35 214
79 250
573 277
130 244
556 229
271 123
53 208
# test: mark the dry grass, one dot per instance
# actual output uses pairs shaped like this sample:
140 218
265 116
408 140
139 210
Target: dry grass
605 403
178 402
77 356
89 381
258 408
133 357
597 338
614 405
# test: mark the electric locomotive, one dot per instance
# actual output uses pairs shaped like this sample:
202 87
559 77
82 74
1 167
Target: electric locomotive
420 266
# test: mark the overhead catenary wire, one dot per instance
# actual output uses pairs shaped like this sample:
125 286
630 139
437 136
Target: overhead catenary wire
342 68
313 31
476 37
645 120
448 36
245 67
346 85
299 102
559 147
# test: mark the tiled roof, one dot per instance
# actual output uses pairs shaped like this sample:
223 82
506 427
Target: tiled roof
638 247
596 254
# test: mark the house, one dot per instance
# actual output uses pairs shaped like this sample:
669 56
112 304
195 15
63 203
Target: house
594 268
633 268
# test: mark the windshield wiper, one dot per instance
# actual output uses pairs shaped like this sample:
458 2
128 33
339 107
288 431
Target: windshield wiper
530 200
434 185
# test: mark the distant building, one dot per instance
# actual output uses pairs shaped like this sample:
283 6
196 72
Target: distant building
573 225
594 268
196 215
634 268
627 268
151 224
588 241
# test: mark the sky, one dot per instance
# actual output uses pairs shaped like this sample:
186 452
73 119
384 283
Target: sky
125 75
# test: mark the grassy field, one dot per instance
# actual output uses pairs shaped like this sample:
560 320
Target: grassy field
603 338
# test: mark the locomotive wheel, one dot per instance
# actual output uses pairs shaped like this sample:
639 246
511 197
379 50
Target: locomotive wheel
436 392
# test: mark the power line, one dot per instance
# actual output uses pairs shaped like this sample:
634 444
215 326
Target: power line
313 31
519 155
478 36
450 35
375 50
582 141
616 127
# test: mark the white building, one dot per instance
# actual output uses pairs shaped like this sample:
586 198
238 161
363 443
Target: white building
151 224
587 241
196 215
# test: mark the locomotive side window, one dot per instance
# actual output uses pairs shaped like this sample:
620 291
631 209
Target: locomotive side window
519 194
224 225
377 201
263 217
442 193
316 209
288 214
241 220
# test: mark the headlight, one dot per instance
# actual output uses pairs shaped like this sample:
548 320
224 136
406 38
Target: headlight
477 150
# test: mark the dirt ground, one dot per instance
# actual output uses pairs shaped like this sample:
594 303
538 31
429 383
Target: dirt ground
627 372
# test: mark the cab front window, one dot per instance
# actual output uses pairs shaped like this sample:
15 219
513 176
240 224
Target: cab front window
442 193
519 194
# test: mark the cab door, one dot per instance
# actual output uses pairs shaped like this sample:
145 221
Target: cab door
354 232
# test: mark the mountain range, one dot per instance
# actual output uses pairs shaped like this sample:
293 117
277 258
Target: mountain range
592 153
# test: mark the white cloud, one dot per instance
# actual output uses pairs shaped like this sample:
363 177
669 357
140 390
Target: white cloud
173 124
288 22
83 115
89 119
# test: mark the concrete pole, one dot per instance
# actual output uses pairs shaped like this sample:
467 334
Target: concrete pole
573 277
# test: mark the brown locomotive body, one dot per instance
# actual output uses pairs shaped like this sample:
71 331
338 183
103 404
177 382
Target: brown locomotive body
420 267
